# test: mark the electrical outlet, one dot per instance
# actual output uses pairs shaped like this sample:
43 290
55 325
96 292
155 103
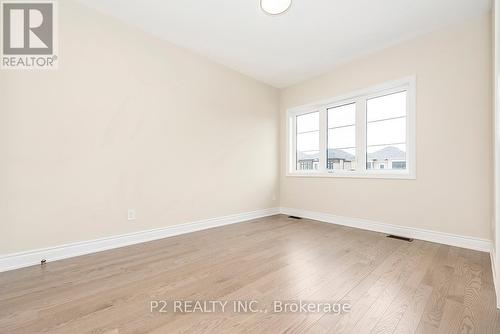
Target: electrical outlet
131 214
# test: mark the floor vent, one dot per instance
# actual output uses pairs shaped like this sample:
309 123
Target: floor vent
400 238
294 217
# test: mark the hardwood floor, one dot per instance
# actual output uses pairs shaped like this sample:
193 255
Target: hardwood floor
392 286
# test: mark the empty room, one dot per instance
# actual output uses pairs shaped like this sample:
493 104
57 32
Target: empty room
250 166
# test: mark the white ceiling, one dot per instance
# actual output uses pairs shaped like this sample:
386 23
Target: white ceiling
311 38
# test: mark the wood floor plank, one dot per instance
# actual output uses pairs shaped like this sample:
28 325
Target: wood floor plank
411 318
385 299
439 277
393 286
411 290
365 294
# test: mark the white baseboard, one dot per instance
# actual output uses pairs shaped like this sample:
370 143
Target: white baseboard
478 244
25 259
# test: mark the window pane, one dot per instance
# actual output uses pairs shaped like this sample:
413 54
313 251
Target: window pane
386 157
341 154
386 132
341 116
308 141
388 106
308 122
342 137
341 159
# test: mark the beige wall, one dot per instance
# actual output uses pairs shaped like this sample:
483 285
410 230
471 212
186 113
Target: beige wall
128 121
453 191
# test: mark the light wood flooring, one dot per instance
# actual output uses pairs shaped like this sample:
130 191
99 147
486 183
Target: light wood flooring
393 286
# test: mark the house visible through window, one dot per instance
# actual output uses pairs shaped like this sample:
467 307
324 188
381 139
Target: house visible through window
399 165
369 133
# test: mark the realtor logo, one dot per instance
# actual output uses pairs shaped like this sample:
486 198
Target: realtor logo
28 35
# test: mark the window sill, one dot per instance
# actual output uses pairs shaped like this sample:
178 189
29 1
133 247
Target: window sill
397 176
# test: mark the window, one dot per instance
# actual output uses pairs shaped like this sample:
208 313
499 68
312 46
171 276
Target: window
307 135
365 134
341 151
386 130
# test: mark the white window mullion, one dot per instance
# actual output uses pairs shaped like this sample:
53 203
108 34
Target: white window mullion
361 135
292 123
323 130
410 128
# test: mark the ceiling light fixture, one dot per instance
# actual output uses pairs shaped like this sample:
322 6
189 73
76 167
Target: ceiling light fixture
275 7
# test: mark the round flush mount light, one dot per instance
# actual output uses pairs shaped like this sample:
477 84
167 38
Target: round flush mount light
275 7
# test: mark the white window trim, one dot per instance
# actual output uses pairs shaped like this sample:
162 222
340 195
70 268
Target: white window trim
407 83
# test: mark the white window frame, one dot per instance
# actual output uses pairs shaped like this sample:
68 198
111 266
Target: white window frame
359 97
